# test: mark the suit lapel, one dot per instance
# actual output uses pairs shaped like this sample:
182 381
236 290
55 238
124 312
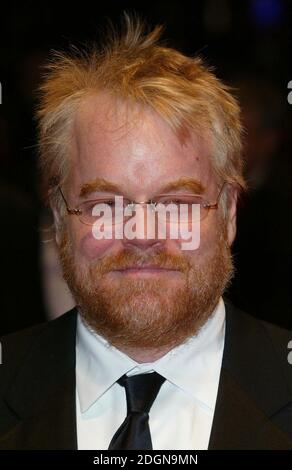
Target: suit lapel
52 427
239 424
42 397
251 390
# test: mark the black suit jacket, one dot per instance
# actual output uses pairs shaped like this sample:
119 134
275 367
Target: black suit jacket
253 408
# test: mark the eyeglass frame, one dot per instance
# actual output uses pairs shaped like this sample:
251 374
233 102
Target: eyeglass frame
207 205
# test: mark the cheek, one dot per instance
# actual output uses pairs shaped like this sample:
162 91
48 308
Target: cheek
209 236
91 249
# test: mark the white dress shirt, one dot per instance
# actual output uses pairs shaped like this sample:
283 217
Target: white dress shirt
182 413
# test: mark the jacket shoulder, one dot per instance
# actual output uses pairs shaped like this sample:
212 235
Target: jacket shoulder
280 339
259 343
15 347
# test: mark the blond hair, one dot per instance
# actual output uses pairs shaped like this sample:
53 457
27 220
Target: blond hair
135 65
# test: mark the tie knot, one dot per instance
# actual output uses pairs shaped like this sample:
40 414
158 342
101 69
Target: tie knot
141 390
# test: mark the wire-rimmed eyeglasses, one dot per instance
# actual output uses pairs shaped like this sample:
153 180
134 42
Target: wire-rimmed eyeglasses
170 207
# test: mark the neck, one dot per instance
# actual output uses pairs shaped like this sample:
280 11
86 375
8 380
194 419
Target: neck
145 355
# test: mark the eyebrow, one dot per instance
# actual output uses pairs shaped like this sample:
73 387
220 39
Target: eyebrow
101 184
185 183
98 184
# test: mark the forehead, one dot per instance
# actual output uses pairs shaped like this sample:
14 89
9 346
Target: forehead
132 145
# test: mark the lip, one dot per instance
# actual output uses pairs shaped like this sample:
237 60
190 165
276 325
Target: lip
152 269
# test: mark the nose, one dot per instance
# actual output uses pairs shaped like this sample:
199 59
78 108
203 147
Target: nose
141 230
143 243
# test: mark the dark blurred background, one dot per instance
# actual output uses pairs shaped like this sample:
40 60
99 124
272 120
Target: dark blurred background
249 43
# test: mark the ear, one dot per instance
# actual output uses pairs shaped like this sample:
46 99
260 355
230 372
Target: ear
232 197
57 222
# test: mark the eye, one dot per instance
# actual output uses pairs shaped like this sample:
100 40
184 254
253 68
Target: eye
181 199
171 200
175 201
109 202
166 201
88 207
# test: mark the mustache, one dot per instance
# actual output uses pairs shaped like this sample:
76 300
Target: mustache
127 259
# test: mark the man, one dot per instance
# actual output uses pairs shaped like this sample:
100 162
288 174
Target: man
151 357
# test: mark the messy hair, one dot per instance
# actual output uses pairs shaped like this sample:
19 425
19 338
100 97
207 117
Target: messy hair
133 64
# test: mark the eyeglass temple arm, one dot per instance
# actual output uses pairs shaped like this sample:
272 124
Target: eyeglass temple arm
70 211
215 205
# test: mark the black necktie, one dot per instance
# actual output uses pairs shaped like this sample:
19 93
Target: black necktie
141 391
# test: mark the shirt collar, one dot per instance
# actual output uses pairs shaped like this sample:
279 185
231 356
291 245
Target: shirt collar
193 366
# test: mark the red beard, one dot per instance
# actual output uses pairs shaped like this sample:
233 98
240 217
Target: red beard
148 313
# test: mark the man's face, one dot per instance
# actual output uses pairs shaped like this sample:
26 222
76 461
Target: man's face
145 308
